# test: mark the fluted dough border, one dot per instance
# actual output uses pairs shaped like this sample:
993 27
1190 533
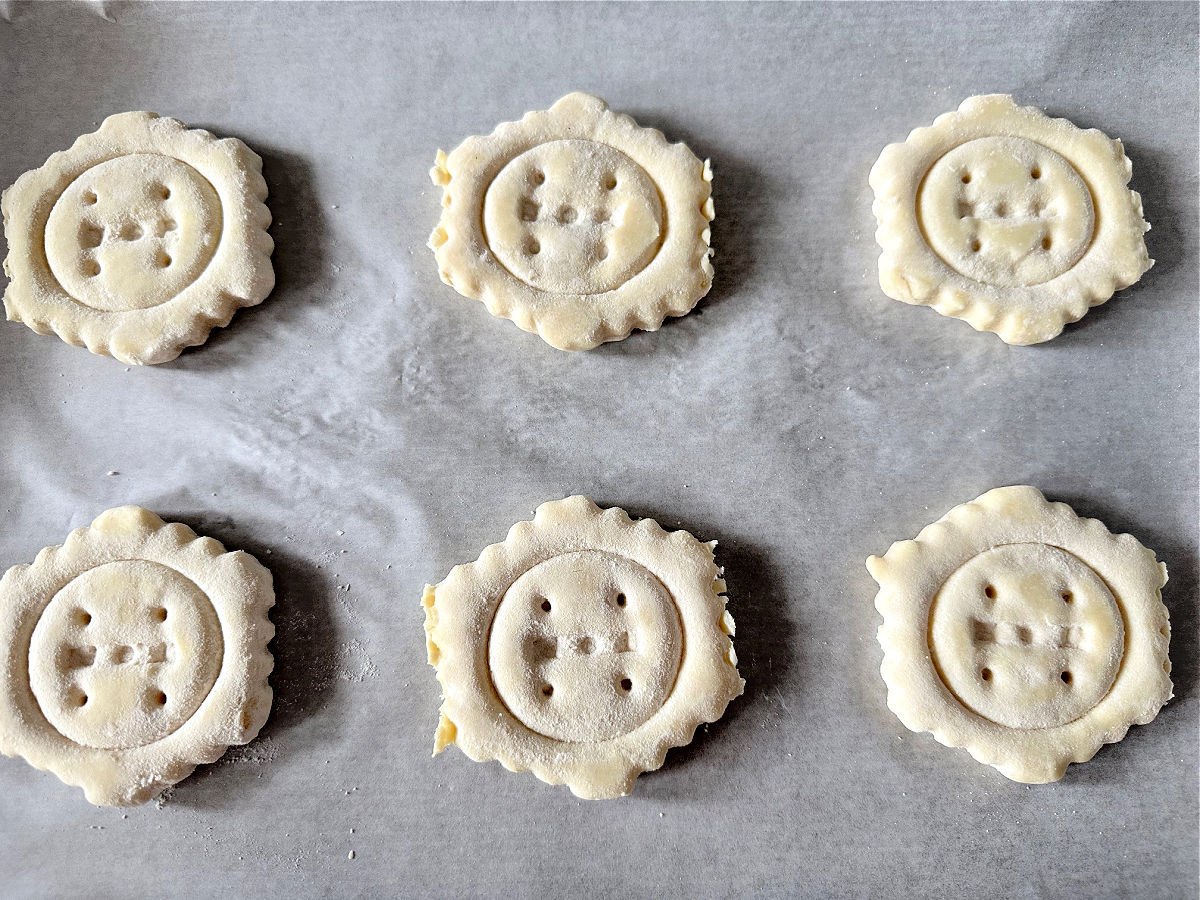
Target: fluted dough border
239 274
910 575
458 615
236 706
670 285
911 272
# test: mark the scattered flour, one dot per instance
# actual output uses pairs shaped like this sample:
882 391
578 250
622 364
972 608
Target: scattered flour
354 662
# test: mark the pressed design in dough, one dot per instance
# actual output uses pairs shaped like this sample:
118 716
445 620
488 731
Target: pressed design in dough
132 653
1012 221
582 648
139 239
1023 633
575 223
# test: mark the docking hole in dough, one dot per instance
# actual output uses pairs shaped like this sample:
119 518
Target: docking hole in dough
139 239
582 648
1012 221
1023 633
132 653
560 223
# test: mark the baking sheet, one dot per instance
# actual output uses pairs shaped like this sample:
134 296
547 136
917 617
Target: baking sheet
366 428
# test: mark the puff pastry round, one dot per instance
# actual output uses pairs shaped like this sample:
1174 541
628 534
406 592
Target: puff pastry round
138 240
132 653
1023 633
1010 220
575 223
582 648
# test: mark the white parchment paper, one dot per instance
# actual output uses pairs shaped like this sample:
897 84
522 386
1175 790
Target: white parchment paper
366 428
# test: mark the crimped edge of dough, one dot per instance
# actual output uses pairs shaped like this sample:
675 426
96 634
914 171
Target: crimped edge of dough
911 272
671 284
911 573
239 274
458 615
132 776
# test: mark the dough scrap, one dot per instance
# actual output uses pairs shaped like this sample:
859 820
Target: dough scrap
576 224
1023 633
131 654
138 240
582 648
1010 220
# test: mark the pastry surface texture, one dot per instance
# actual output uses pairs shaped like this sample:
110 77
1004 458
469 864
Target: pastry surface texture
575 223
131 654
1010 220
1023 633
582 648
138 240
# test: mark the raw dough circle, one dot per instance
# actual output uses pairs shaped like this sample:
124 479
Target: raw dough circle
133 232
585 646
124 654
561 651
1027 635
1006 211
573 217
1023 633
575 223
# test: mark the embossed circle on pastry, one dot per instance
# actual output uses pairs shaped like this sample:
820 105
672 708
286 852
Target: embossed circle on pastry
1027 636
585 646
124 654
1006 211
132 232
573 217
